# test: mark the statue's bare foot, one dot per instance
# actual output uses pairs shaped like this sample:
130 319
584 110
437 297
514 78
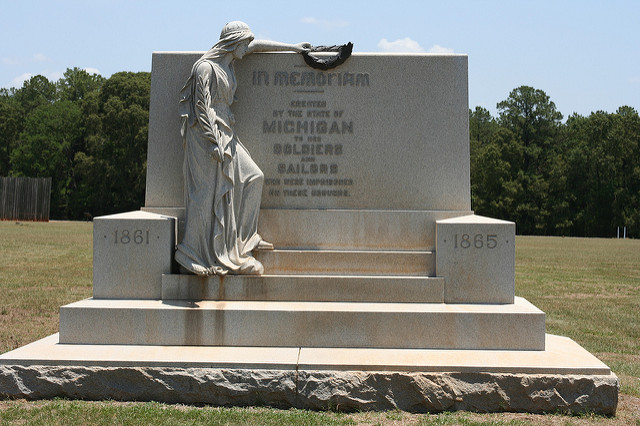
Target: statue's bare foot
251 267
195 269
264 245
217 270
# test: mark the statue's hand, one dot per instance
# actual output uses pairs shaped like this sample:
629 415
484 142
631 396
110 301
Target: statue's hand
303 47
216 153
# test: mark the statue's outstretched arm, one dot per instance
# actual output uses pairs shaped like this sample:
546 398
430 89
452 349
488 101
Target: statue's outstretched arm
276 46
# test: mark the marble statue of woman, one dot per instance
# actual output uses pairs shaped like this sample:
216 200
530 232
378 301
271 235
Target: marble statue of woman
223 185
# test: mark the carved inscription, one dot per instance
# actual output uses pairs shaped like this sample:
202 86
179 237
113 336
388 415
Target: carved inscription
477 241
311 78
126 236
309 135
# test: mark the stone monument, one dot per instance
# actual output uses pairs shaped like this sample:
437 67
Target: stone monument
383 290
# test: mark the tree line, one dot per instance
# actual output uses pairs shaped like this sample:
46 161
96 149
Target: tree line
88 133
580 177
577 178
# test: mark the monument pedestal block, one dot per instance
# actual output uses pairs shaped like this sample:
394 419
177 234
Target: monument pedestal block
131 251
476 257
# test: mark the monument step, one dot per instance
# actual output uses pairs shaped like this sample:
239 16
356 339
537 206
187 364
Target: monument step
560 356
347 262
352 229
304 288
518 326
342 229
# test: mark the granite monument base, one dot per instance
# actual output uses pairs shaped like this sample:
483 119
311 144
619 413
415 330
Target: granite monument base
562 378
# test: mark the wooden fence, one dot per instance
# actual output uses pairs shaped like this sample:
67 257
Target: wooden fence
23 198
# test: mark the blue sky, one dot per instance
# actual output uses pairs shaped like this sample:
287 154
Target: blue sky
584 54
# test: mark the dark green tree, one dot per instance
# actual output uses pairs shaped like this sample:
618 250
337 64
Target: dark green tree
83 89
604 172
112 170
532 117
482 126
45 149
77 84
36 91
15 106
88 133
495 176
11 124
626 204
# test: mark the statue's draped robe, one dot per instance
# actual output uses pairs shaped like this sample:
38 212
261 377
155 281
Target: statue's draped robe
222 198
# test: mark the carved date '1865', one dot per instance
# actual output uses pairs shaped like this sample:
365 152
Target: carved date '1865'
478 241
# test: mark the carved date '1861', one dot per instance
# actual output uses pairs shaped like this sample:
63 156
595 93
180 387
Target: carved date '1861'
125 236
478 241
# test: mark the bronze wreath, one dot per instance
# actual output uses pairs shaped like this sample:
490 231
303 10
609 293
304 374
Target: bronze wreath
344 52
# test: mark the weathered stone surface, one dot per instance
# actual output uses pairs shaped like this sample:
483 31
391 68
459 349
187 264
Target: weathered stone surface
484 392
320 390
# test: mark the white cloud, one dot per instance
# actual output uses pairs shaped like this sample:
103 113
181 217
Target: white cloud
404 45
39 57
36 57
92 70
439 49
10 61
19 80
327 25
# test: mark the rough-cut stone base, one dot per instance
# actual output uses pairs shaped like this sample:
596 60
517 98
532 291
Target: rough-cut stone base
564 377
318 390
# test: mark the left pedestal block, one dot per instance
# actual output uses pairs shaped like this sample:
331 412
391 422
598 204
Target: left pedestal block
131 251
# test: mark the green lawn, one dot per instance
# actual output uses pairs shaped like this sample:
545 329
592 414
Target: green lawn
589 289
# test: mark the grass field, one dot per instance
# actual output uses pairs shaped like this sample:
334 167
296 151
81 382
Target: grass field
589 289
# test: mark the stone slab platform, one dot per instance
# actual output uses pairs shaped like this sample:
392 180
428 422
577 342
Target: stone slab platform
348 262
518 326
561 356
307 288
563 377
